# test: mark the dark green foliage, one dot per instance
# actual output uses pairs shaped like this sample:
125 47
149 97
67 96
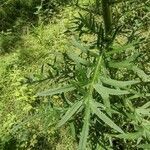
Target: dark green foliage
15 15
7 41
27 10
96 89
113 101
106 85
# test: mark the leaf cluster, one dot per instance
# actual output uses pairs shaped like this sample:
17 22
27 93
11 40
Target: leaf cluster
99 98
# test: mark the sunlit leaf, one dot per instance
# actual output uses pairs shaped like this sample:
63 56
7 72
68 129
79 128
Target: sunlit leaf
122 64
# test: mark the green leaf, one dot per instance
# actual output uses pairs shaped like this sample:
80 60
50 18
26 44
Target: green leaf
76 58
105 91
77 44
85 129
116 83
143 111
106 101
60 90
122 64
128 63
137 95
130 136
104 118
72 128
144 146
100 105
71 111
141 74
121 49
146 105
84 49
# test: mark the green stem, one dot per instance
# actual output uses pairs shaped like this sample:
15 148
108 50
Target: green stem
107 16
95 76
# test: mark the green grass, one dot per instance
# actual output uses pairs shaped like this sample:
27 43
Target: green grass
37 46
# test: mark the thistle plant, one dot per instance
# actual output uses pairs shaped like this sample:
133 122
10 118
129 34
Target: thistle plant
102 102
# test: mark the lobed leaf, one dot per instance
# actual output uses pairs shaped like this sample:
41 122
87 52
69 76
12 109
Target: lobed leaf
144 146
105 91
141 74
146 105
130 136
85 129
104 118
60 90
121 49
117 83
84 49
71 111
76 58
143 111
128 63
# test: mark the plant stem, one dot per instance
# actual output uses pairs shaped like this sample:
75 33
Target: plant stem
95 75
107 16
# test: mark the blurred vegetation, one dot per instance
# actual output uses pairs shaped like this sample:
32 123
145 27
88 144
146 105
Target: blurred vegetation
34 38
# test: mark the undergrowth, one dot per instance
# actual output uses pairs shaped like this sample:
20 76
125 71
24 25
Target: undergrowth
95 87
22 123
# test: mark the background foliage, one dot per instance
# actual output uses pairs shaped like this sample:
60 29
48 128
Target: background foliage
52 46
